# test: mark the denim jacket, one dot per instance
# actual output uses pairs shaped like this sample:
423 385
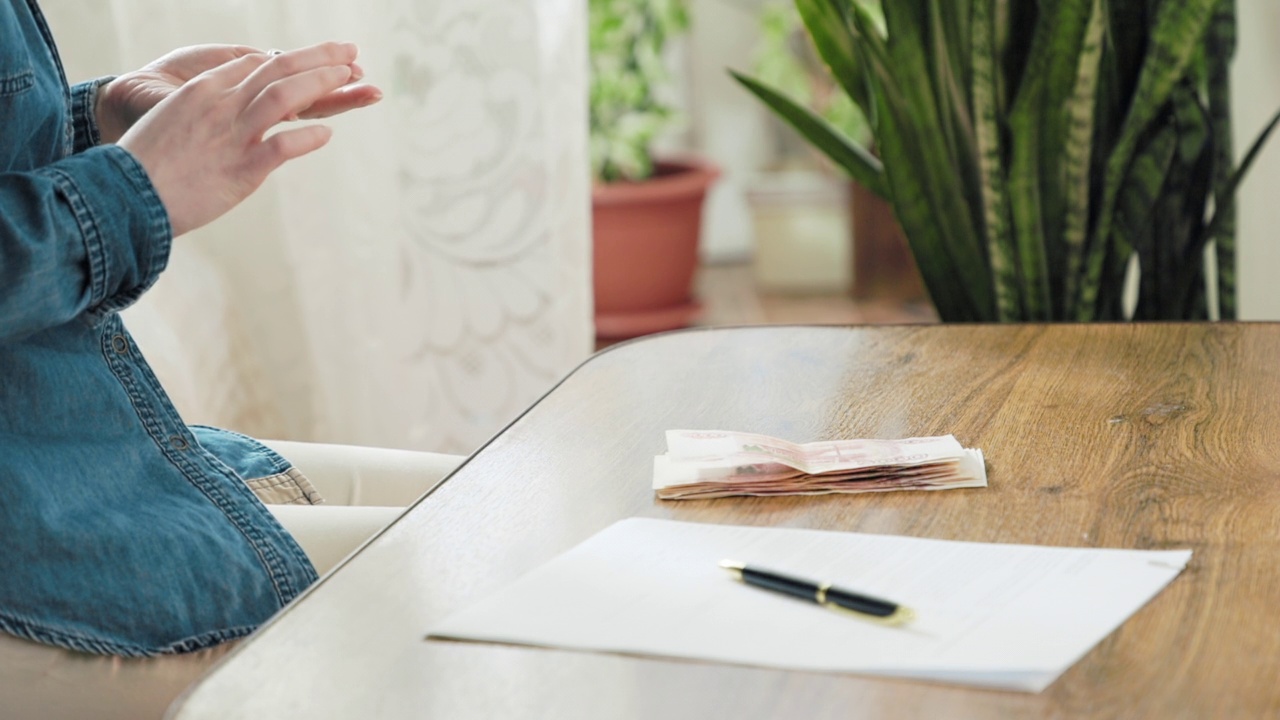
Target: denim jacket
124 530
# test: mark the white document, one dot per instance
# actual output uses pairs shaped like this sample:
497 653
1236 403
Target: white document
1006 616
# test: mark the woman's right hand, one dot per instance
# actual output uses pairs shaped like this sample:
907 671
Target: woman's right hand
205 147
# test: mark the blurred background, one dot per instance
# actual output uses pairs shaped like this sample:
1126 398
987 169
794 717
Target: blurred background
433 272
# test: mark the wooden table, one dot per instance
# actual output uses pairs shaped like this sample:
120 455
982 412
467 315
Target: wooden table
1150 436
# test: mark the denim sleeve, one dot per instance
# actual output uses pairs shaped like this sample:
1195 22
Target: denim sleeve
85 234
84 118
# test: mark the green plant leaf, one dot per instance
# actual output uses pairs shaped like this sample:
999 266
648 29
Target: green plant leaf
828 26
860 164
995 199
1033 150
945 74
950 54
1180 217
1179 27
1136 207
1026 124
1224 209
1221 48
1040 123
1078 153
929 194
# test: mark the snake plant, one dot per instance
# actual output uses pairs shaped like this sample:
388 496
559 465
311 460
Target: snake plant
1035 152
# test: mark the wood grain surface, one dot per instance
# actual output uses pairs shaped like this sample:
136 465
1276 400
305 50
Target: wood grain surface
1128 436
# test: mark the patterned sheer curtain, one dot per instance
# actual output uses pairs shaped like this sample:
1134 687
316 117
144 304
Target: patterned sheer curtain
423 279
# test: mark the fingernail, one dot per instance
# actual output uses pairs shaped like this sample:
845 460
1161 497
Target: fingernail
350 46
357 72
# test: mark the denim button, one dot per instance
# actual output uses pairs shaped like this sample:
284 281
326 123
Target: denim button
120 344
178 442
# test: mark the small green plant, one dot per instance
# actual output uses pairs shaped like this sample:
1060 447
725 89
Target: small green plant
1035 151
627 39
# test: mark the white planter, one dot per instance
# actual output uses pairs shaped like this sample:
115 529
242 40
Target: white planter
802 233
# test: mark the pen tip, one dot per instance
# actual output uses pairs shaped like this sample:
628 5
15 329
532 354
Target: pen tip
734 567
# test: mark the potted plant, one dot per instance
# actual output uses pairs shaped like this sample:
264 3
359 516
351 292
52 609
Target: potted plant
1038 154
646 213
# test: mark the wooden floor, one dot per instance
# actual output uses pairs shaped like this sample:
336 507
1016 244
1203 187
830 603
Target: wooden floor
729 297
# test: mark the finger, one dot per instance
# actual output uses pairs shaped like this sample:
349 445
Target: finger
299 61
233 73
287 145
191 61
339 101
286 98
225 53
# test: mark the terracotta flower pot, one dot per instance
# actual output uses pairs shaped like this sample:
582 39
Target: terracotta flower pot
646 249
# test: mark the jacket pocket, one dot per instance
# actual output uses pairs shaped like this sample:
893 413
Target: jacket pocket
17 82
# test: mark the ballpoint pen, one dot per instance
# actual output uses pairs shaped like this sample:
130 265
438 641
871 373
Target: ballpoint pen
822 593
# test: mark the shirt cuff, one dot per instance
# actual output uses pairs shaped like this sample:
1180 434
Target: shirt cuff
124 224
84 116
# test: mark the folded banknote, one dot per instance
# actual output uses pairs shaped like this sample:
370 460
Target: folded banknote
703 464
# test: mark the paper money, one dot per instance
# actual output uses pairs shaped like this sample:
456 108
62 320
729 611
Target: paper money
710 464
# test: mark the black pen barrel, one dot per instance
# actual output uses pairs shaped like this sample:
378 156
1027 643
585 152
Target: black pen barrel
780 583
860 603
823 594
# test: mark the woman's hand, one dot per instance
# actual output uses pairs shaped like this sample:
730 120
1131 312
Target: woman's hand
124 100
203 145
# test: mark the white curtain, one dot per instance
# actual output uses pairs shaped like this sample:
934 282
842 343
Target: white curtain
420 281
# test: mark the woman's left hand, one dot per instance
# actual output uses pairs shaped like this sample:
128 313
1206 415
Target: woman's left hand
127 98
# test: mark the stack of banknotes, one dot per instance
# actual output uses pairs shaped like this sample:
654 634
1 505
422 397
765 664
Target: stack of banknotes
703 464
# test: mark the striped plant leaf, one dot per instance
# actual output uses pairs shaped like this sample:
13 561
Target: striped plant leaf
915 115
1026 122
953 19
1178 29
1221 48
949 50
1135 211
852 157
1000 14
995 199
1078 154
1181 213
1177 213
1032 150
956 278
1057 59
948 54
